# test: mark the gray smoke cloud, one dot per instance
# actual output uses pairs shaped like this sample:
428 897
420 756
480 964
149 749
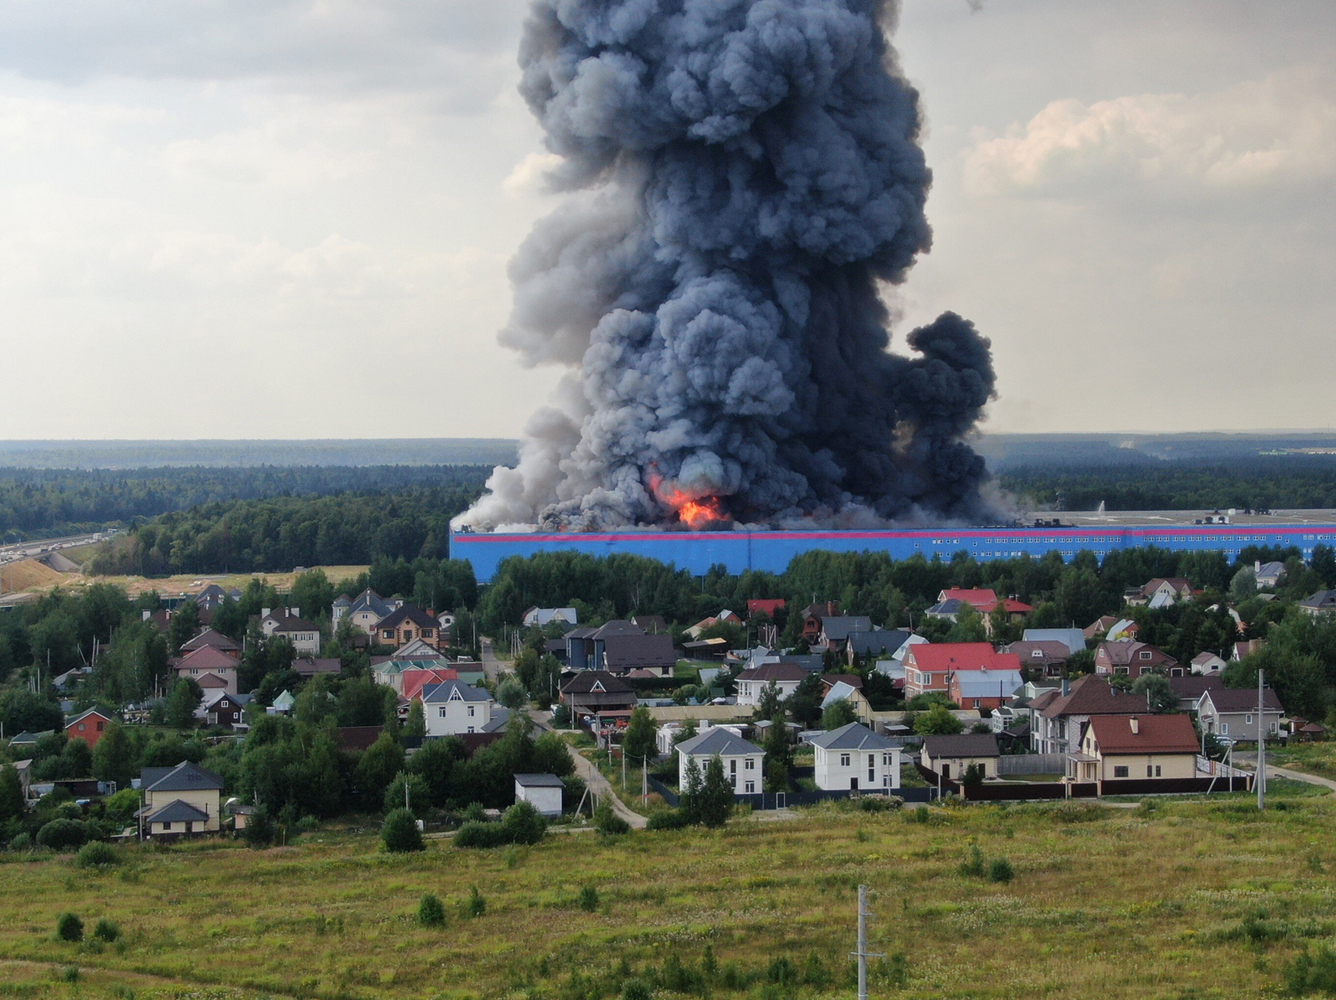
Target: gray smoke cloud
743 178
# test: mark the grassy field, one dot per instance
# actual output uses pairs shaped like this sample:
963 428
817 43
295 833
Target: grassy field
1311 758
43 579
1186 899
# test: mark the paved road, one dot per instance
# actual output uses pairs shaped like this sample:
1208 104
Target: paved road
600 787
1250 760
31 550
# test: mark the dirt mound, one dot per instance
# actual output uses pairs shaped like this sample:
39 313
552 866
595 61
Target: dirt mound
27 574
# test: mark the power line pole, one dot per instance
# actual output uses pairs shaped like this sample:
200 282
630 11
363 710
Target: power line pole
1261 743
862 954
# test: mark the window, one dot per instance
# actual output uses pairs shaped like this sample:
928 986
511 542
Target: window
844 760
751 764
1157 770
1248 721
1224 729
1149 769
1120 771
886 759
871 760
1145 654
470 711
470 729
100 725
733 767
442 711
751 788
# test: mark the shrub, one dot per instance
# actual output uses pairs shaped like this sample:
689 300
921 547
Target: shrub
608 821
400 833
636 989
106 930
431 911
1309 974
880 803
973 865
589 899
69 927
478 834
70 974
21 842
1001 871
523 824
97 854
476 905
61 834
668 819
259 832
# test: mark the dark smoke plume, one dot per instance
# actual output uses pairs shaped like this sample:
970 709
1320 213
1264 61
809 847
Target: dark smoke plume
743 176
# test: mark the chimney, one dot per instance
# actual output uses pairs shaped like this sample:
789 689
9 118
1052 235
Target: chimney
1136 726
1066 687
1257 566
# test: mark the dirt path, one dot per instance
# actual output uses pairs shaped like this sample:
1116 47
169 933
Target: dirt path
599 785
1250 760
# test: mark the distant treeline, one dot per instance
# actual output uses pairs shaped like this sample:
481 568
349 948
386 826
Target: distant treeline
45 502
1288 481
236 454
281 533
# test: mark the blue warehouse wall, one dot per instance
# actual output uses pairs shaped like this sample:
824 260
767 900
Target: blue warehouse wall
773 550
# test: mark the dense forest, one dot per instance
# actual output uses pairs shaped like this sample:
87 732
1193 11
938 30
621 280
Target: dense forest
1258 483
284 532
46 502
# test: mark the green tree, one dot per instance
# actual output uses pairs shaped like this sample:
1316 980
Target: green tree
805 702
416 726
11 794
399 832
183 626
1160 697
511 693
768 705
639 740
377 768
182 699
1243 585
837 714
937 721
716 794
689 801
114 757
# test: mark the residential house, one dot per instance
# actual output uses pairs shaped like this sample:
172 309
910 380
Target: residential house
981 600
1047 657
948 610
1269 574
598 693
70 678
579 648
340 608
283 704
210 668
836 629
585 647
26 739
845 691
855 758
368 609
1321 603
1058 719
1161 592
949 756
414 679
451 708
814 615
980 689
1246 648
928 666
215 639
770 605
1207 664
742 760
409 623
288 623
218 708
88 726
1137 747
1073 638
1099 628
879 643
650 624
1188 690
546 616
695 631
211 598
1233 713
623 653
23 768
311 666
542 791
1132 658
752 683
179 800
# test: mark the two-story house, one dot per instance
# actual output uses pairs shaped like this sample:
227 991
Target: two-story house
406 624
784 676
1127 656
179 800
1233 713
209 667
855 758
742 759
453 708
288 623
1137 747
928 666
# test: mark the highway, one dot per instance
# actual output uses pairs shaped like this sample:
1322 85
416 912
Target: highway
40 547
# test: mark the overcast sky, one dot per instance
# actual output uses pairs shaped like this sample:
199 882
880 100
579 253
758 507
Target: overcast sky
268 218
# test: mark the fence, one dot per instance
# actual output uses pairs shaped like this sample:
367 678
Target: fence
1032 763
782 800
991 791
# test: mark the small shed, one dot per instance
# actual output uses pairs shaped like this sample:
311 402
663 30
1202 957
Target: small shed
542 791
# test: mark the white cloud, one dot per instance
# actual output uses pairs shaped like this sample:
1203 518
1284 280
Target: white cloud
1276 131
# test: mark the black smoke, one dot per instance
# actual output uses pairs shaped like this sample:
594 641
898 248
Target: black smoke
744 178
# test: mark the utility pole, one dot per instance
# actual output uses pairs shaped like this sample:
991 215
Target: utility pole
1261 743
862 954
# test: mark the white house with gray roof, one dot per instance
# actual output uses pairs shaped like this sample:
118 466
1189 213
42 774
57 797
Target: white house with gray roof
854 758
742 759
453 708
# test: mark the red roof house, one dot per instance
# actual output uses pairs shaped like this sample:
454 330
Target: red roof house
88 726
928 666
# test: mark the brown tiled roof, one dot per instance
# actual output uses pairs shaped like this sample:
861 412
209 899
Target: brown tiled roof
207 658
768 672
1154 734
1243 699
1093 695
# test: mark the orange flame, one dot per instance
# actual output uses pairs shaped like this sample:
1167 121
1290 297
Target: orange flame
698 513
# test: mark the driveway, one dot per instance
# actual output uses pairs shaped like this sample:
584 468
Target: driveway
599 785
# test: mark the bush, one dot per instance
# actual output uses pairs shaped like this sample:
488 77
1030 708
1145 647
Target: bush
106 930
972 866
1001 871
431 911
589 899
668 819
523 824
1310 974
400 833
608 821
636 989
259 831
476 905
21 842
475 833
62 834
69 927
880 803
97 855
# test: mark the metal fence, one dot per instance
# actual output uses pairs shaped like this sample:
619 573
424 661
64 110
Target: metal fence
783 800
1032 763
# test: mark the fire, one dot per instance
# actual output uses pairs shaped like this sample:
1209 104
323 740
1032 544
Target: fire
698 513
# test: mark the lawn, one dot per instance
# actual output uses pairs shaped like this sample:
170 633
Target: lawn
1188 898
1311 758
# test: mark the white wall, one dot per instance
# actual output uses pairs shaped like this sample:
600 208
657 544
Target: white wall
452 718
833 774
546 800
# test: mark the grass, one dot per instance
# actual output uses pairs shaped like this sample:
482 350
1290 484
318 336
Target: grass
1186 898
1310 758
